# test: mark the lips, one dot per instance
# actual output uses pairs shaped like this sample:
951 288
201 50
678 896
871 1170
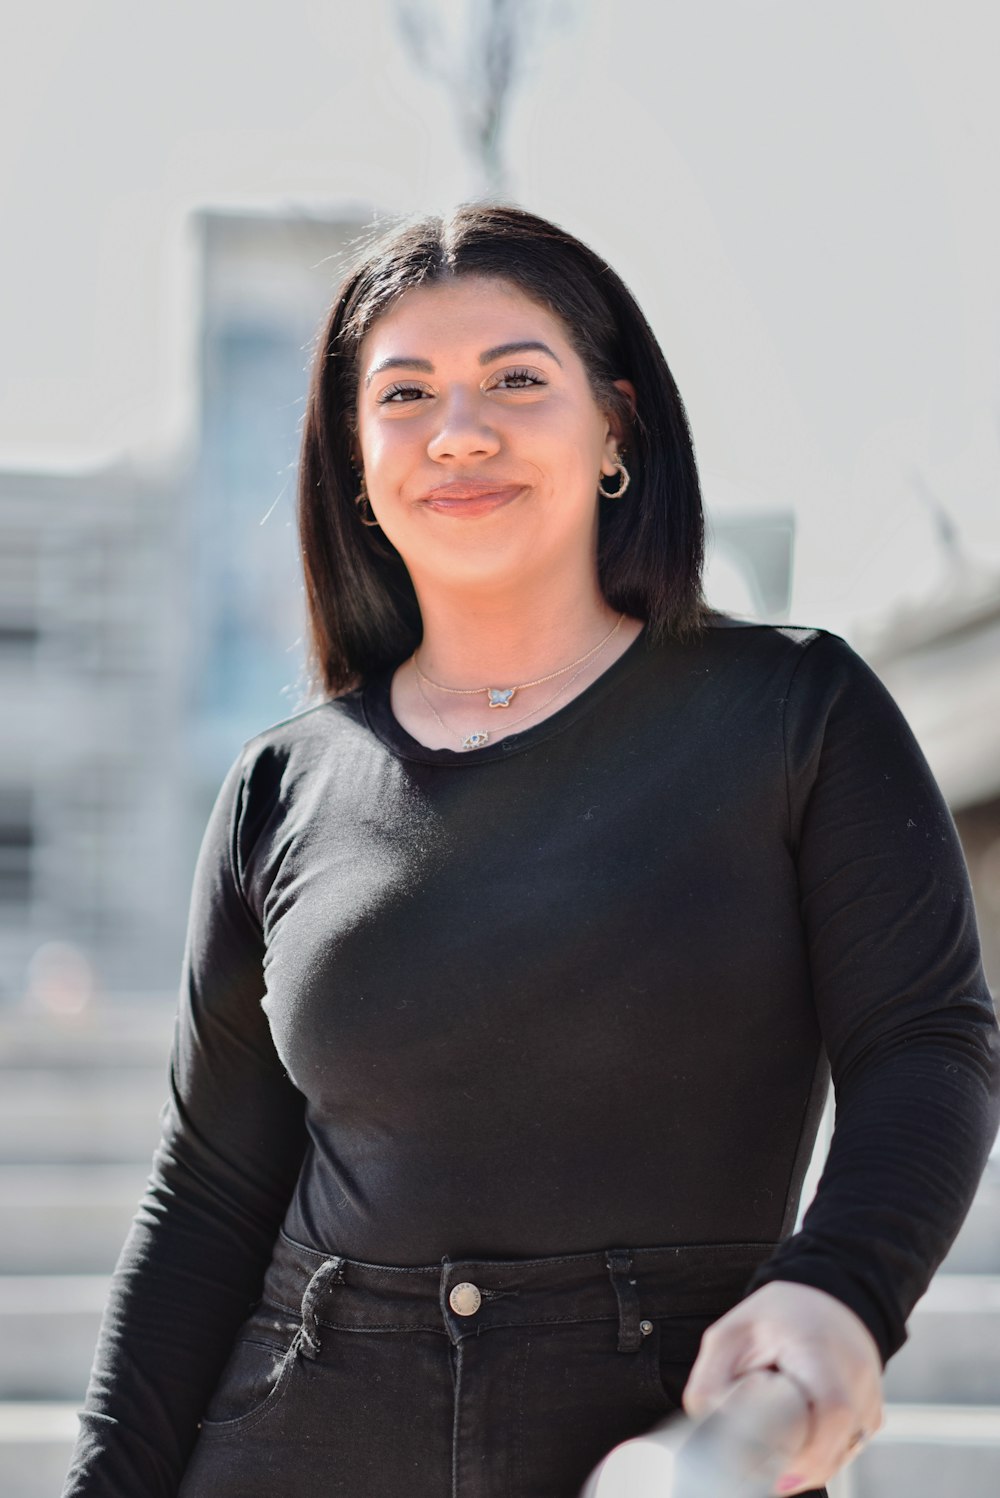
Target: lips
470 497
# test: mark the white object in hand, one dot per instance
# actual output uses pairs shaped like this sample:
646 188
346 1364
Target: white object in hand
739 1450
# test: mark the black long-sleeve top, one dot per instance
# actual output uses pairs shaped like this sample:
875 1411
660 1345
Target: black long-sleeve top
585 986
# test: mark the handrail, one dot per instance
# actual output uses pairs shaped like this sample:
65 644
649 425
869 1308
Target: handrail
737 1451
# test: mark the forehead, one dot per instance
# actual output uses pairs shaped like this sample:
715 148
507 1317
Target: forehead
468 313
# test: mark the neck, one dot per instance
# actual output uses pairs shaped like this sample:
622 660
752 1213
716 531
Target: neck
502 641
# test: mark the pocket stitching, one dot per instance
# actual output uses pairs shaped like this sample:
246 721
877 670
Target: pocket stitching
272 1398
654 1382
659 1358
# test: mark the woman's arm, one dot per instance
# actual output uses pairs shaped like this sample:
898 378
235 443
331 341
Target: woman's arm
232 1145
910 1031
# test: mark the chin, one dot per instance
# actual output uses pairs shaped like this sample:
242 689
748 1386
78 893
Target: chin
476 562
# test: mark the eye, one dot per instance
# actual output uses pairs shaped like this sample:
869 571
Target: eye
400 394
517 379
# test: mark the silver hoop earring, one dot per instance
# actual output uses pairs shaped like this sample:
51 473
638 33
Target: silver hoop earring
361 498
626 479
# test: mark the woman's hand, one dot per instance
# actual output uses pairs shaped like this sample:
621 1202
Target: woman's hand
822 1346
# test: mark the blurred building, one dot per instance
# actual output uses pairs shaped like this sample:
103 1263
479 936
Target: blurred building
749 555
267 280
90 753
150 623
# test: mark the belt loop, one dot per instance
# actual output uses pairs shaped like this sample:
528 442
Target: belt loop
619 1262
443 1299
330 1271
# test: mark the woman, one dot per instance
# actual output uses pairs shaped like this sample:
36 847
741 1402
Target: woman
518 964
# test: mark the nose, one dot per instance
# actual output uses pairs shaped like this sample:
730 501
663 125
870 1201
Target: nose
463 429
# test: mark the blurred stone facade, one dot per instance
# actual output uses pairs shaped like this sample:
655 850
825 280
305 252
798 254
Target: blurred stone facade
149 623
91 763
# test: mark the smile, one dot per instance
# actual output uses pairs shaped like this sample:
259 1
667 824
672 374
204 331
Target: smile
471 499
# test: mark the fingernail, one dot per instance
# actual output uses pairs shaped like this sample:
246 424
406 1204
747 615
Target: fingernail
788 1483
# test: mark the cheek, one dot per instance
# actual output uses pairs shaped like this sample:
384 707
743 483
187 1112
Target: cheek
580 435
384 450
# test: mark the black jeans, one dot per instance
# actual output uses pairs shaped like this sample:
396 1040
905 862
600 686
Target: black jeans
474 1378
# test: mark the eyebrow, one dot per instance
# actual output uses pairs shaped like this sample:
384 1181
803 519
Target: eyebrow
501 351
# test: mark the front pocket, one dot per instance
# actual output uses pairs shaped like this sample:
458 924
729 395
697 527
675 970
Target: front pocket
677 1341
257 1372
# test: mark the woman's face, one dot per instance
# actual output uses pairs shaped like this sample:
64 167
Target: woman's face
481 441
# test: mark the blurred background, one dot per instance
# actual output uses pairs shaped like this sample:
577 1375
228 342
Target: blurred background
803 199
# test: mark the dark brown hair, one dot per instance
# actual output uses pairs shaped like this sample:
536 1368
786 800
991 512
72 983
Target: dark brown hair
362 612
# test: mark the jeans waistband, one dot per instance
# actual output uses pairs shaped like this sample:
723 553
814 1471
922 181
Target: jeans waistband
465 1296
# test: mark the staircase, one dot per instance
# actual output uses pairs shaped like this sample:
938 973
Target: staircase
942 1389
79 1103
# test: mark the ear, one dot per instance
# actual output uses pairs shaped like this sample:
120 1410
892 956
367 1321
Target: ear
617 434
628 390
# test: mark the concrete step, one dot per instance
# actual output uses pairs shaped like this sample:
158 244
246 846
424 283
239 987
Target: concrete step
922 1451
66 1219
118 1033
930 1451
48 1332
64 1116
36 1446
953 1352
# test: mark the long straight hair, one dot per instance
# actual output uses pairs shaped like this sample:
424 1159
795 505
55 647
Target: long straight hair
361 608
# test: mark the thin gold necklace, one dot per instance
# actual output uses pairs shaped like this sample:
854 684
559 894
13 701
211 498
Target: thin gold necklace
504 696
479 736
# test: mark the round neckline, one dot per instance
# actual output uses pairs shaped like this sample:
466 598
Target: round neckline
376 705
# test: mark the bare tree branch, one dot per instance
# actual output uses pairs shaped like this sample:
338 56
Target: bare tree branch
479 70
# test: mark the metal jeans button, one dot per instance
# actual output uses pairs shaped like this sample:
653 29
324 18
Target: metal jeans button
465 1299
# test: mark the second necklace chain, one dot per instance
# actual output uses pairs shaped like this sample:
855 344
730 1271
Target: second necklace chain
479 736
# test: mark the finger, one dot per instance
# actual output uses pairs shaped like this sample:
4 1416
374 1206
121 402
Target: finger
868 1418
823 1472
840 1410
720 1361
825 1454
857 1443
873 1420
799 1481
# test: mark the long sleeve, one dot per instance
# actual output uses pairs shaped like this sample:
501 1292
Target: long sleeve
232 1144
906 1015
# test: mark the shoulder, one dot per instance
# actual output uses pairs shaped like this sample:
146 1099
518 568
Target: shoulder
796 643
287 760
816 675
802 649
281 774
835 710
732 631
304 735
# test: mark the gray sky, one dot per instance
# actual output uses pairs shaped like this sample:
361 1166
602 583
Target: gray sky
802 196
